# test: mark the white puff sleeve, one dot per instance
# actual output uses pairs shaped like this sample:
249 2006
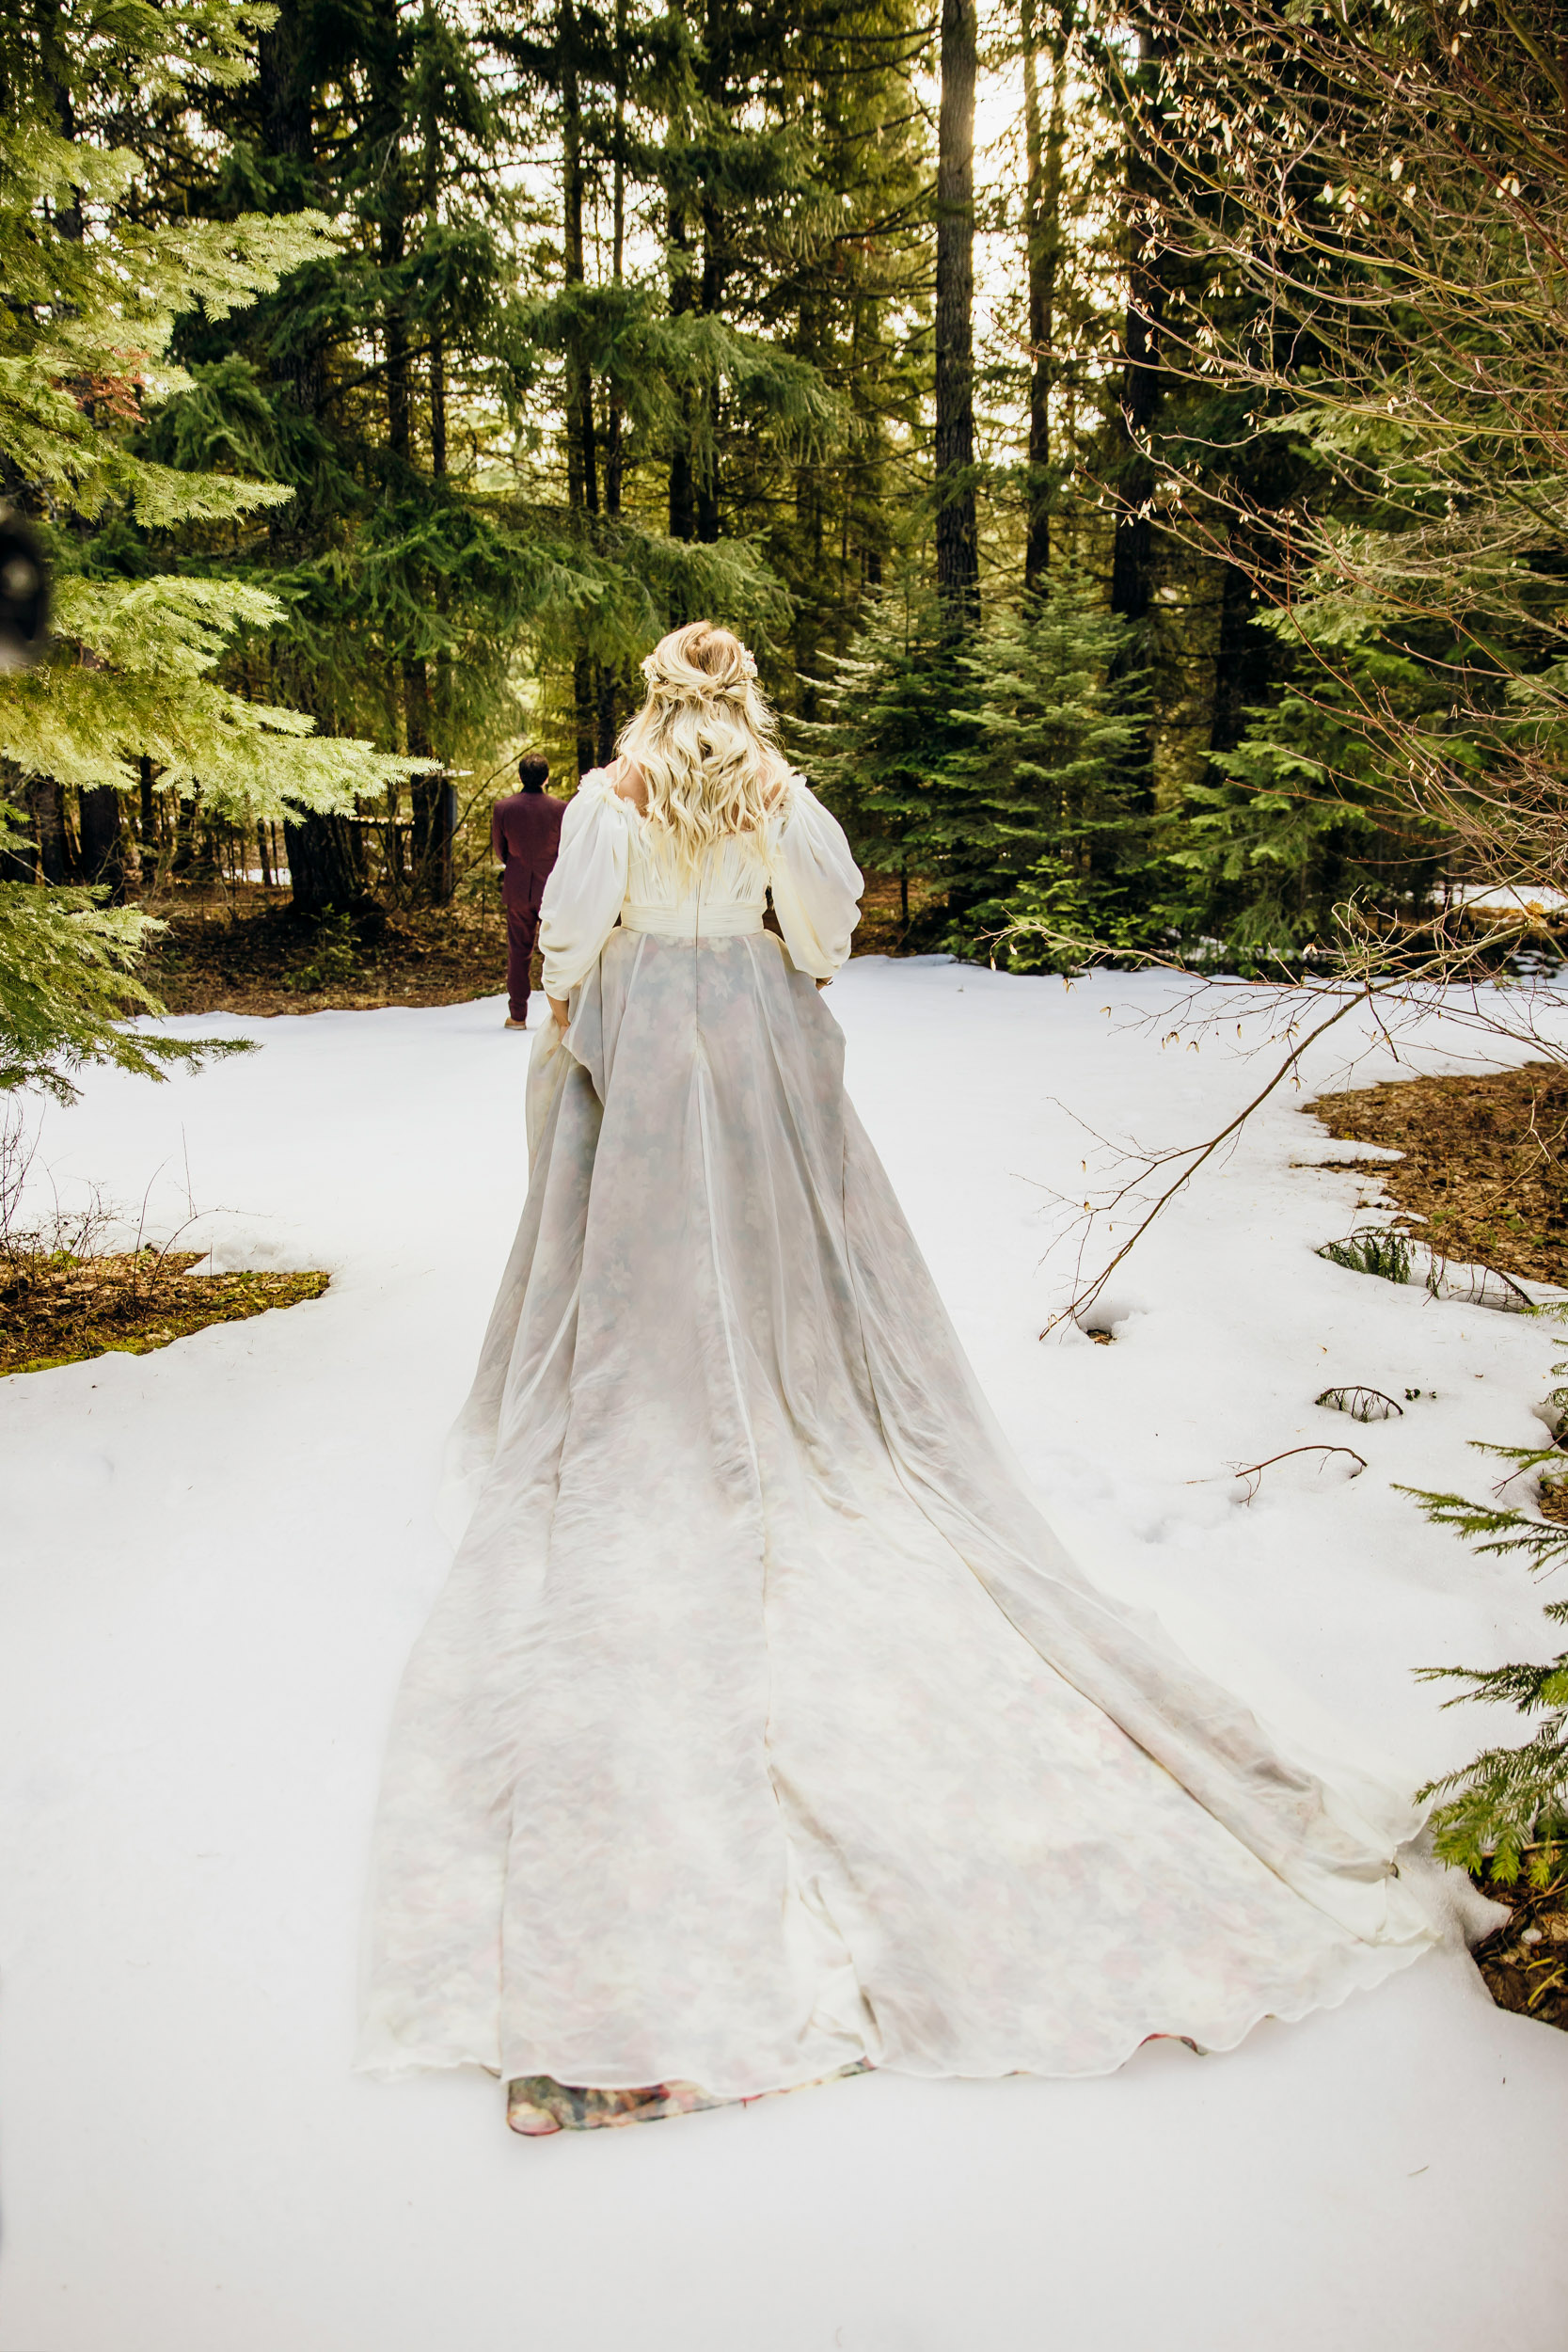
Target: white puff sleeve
815 883
587 886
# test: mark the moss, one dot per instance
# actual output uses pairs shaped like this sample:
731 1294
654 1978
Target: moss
62 1309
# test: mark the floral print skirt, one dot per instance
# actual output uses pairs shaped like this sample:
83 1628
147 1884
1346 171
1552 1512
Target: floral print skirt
537 2106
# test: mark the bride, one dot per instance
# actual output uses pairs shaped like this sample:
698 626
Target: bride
763 1730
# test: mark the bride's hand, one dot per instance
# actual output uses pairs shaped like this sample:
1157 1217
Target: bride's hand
560 1012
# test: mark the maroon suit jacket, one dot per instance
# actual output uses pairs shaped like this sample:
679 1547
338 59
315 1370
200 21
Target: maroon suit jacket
525 834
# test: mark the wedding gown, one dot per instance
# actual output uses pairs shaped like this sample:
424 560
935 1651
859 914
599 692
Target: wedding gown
763 1727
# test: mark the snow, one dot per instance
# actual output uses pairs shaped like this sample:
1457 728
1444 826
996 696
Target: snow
1511 898
217 1559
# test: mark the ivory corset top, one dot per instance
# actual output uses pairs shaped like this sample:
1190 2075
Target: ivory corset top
610 871
728 895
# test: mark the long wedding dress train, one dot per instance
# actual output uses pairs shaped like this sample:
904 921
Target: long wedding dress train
762 1725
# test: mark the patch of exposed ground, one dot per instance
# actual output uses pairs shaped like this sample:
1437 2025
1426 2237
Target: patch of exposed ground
252 954
248 952
884 929
1485 1161
1525 1963
60 1308
1484 1164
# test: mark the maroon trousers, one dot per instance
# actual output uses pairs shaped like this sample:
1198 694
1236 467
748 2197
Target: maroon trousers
522 929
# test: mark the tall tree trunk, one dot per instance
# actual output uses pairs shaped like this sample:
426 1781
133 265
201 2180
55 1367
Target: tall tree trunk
716 65
147 812
399 402
432 860
711 303
583 485
582 453
288 131
104 845
43 798
614 454
415 707
1132 559
440 715
327 865
437 403
56 73
432 835
441 708
608 680
1045 144
384 126
428 720
683 300
45 804
683 295
958 534
430 794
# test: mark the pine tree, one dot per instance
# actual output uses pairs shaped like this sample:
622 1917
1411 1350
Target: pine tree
69 984
1360 205
1296 824
1044 840
846 290
876 753
1508 1803
83 340
130 680
403 594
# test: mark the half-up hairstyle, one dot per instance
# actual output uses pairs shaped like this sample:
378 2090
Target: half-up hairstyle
704 742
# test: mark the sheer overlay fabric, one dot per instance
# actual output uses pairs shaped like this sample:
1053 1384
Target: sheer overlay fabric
764 1727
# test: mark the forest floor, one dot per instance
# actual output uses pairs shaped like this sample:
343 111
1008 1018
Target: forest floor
246 951
219 1554
1525 1963
1485 1173
1486 1165
64 1306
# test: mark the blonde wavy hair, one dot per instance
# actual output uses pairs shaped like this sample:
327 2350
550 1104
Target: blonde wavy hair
704 742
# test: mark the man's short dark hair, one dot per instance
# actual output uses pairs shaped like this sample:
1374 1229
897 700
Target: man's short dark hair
533 774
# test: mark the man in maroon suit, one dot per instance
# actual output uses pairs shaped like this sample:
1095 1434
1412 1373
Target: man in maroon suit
525 834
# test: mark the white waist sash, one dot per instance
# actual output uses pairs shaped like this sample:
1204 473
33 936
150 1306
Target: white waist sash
691 921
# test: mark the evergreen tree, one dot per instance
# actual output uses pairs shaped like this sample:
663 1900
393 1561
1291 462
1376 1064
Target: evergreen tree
849 293
1295 825
68 983
876 753
1363 203
1044 830
1508 1803
405 594
129 683
85 329
466 401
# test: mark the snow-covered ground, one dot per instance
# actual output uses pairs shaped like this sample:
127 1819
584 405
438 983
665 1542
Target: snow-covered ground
216 1556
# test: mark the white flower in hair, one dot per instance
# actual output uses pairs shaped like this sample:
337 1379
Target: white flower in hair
647 666
748 663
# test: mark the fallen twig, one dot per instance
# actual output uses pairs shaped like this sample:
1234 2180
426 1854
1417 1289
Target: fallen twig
1254 1470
